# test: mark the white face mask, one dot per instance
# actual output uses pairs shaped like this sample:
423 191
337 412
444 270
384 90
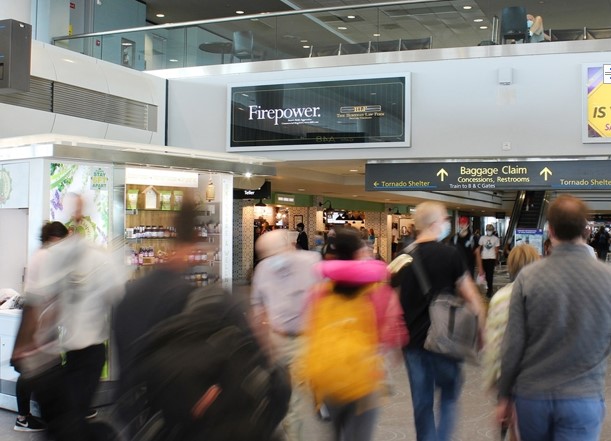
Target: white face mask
529 23
445 231
488 233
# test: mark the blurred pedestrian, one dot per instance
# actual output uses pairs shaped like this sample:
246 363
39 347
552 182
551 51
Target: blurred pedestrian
427 371
487 255
556 345
498 313
75 286
464 240
353 314
302 237
280 287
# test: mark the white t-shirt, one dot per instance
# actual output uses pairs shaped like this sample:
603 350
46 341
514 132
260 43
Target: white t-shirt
489 246
87 284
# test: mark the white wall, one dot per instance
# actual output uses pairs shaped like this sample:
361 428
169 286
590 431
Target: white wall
459 110
68 67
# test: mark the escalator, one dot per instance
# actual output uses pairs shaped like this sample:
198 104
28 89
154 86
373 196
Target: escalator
528 213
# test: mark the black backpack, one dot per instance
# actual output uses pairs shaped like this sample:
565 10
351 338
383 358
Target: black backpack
205 373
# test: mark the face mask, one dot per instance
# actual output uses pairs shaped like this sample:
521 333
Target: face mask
445 231
529 23
488 233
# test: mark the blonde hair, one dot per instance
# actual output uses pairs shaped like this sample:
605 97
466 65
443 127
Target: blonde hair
428 213
521 256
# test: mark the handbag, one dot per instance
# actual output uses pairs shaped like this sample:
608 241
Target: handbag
454 329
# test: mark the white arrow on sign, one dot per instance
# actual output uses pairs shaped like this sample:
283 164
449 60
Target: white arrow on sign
546 172
442 174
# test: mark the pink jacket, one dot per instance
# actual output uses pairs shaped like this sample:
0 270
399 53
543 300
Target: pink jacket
392 331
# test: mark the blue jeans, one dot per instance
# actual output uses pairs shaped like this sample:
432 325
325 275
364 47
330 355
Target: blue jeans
354 421
428 371
560 420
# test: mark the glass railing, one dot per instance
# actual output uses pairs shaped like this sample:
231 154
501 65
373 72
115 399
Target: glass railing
379 27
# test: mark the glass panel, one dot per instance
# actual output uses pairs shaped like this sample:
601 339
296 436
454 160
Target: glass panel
322 32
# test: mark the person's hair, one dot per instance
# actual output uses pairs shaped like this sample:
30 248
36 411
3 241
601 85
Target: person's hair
427 213
300 225
519 257
537 27
568 217
347 243
185 222
272 243
53 229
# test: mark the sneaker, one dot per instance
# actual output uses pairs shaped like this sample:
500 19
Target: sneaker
91 413
29 424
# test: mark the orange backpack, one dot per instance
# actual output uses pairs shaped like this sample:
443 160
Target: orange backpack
341 362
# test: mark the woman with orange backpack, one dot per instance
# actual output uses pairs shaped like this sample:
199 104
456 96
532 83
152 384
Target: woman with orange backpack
353 314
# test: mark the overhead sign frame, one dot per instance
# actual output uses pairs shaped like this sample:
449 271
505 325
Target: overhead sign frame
486 176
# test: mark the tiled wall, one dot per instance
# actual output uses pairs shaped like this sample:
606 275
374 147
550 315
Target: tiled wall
243 240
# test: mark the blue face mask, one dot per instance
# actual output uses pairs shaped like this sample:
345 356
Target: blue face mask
445 231
529 23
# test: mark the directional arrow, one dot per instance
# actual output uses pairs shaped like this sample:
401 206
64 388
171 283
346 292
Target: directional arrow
442 174
376 183
546 172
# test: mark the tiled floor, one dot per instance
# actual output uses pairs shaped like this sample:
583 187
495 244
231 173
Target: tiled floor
395 422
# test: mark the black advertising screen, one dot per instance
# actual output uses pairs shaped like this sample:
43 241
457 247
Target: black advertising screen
342 113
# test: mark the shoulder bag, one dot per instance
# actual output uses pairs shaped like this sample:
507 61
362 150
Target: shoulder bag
454 327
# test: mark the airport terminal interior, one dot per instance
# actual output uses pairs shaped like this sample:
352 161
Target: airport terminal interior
277 113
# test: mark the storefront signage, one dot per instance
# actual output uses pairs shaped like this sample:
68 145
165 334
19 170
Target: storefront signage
597 97
285 199
320 114
264 192
527 175
168 178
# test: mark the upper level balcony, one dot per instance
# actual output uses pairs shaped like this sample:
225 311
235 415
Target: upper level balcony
323 32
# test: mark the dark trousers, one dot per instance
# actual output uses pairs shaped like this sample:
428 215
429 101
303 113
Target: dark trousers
52 394
83 370
489 265
65 393
23 391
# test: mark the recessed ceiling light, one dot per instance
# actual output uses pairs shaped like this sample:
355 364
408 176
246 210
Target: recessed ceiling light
160 15
342 28
248 175
239 12
351 16
467 7
173 60
301 189
483 27
303 41
478 20
355 195
376 35
353 170
306 46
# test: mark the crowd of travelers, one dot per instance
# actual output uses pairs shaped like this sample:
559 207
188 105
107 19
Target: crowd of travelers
315 338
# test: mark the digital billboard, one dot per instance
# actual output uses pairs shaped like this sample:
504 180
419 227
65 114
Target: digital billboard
597 103
357 112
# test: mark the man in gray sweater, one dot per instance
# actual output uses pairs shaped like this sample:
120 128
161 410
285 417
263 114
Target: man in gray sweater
558 337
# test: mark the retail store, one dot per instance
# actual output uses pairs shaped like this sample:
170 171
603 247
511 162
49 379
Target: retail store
129 194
